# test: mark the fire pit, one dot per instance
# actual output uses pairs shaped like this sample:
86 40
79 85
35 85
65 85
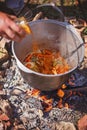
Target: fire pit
34 109
30 108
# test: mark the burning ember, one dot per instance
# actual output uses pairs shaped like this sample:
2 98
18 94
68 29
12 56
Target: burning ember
48 99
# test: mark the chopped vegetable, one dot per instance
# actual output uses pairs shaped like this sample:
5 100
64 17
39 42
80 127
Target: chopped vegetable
46 61
24 24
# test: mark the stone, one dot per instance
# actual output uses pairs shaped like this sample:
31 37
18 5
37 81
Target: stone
82 123
65 126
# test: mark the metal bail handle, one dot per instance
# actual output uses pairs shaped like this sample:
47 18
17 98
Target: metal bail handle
73 31
71 53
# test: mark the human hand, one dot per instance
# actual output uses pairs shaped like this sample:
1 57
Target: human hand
9 29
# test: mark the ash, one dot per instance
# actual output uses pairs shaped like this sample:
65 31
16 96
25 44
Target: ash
28 110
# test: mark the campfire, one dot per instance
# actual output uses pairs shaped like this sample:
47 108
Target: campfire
23 107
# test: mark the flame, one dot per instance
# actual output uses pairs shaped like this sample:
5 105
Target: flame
47 109
60 93
44 98
66 105
63 86
35 92
47 103
60 103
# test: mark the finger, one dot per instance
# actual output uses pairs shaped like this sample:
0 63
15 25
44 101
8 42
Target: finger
19 30
12 17
16 38
10 33
13 35
5 36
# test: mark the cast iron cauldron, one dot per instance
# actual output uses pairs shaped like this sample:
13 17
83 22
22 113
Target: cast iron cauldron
49 34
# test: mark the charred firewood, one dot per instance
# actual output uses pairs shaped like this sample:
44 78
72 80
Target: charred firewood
38 16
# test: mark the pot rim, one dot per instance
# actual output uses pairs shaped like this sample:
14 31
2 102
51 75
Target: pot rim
65 24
